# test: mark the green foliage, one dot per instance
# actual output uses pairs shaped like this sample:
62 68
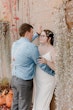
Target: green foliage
4 83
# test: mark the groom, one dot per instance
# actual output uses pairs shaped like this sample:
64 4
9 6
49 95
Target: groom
24 61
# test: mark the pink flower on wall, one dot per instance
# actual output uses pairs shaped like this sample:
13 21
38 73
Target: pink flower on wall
16 18
9 8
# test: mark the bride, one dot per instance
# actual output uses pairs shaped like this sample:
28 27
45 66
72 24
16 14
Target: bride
44 83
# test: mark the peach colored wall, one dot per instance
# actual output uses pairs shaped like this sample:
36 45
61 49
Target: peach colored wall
39 12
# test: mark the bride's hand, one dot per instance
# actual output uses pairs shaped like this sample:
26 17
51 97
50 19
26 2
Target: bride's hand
42 60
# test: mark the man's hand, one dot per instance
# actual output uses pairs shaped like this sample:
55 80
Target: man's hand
42 60
39 30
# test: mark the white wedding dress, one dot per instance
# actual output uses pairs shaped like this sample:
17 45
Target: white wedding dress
44 85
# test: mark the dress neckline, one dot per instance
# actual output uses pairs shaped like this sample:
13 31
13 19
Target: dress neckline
45 53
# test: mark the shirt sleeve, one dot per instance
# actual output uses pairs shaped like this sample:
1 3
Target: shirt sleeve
44 67
35 36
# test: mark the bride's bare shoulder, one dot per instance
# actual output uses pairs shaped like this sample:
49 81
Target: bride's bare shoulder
53 50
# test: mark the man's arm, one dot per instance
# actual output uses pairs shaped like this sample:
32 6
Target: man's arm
35 36
44 67
37 33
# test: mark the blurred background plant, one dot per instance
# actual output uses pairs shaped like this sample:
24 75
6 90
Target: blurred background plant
4 84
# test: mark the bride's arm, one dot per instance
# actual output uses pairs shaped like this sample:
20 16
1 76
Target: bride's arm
53 58
51 64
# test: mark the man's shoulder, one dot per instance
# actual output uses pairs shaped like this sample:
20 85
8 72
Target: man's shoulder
33 45
15 43
28 45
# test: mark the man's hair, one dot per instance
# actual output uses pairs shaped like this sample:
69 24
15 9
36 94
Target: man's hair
24 28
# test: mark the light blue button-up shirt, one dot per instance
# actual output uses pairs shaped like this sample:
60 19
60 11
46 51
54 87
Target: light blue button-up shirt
24 59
